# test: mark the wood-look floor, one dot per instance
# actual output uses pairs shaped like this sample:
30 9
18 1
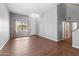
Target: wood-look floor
38 46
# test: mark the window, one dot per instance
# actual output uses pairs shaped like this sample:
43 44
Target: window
21 26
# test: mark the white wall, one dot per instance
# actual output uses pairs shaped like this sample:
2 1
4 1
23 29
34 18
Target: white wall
75 39
32 23
61 14
48 24
4 25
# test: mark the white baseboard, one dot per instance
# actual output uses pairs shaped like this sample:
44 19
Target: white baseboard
75 46
53 39
4 44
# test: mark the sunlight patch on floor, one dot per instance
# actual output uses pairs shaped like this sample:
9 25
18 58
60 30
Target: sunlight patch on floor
22 38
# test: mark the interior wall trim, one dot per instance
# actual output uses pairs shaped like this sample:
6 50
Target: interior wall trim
4 44
75 46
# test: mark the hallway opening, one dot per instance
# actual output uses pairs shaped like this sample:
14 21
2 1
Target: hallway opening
67 28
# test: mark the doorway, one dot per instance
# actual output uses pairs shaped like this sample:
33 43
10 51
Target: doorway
68 27
67 31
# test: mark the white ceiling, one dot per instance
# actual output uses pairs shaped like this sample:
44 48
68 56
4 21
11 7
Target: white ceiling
29 8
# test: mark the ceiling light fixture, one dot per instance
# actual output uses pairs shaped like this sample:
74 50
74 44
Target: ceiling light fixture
34 15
